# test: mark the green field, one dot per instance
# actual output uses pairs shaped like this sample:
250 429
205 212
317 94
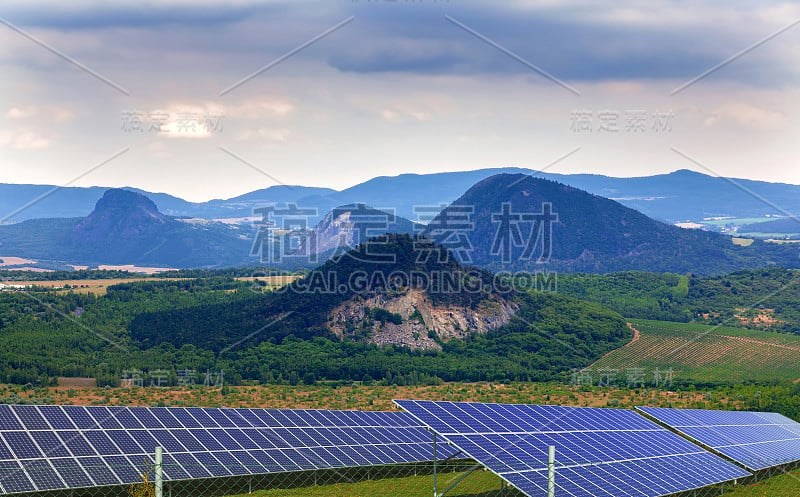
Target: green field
478 484
486 484
702 353
736 221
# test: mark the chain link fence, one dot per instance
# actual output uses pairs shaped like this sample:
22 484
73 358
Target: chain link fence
462 478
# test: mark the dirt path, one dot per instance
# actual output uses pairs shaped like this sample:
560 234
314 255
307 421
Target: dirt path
636 335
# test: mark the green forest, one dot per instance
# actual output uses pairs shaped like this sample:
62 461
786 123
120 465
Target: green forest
219 323
735 299
211 321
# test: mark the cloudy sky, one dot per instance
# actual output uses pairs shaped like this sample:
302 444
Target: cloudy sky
204 101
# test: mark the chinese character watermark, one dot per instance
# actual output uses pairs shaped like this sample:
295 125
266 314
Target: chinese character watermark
182 122
631 121
161 378
448 226
633 377
284 232
509 233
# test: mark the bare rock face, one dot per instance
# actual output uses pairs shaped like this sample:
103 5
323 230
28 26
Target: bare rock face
415 321
345 227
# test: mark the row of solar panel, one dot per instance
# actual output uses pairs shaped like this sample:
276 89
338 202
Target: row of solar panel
599 452
72 443
79 472
28 417
60 447
756 440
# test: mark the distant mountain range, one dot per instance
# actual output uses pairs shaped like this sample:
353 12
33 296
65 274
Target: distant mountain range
506 221
678 196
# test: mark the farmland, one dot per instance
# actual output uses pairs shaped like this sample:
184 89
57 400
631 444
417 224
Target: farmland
100 286
702 353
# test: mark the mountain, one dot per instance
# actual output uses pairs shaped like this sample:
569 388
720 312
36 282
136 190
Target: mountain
515 221
22 202
678 196
127 228
243 205
344 227
394 306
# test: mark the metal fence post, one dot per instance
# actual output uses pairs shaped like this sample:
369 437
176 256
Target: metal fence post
159 472
551 471
435 490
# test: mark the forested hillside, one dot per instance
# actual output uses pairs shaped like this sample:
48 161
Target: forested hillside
219 323
759 298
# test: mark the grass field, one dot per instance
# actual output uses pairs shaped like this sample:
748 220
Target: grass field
786 485
486 484
707 353
479 483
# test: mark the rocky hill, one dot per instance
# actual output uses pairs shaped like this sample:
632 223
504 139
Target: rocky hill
344 227
394 290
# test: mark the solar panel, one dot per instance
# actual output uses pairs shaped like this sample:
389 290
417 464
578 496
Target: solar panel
756 440
61 447
599 452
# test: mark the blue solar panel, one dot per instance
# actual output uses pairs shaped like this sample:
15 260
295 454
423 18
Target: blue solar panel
76 443
13 479
42 474
599 452
22 445
165 416
71 472
125 418
56 417
80 417
105 418
8 421
50 444
31 418
98 471
756 440
56 447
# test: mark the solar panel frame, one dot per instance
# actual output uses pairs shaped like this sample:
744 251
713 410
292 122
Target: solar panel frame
517 451
741 431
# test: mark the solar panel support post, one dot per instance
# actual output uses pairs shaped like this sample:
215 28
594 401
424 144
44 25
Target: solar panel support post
551 471
159 469
435 490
